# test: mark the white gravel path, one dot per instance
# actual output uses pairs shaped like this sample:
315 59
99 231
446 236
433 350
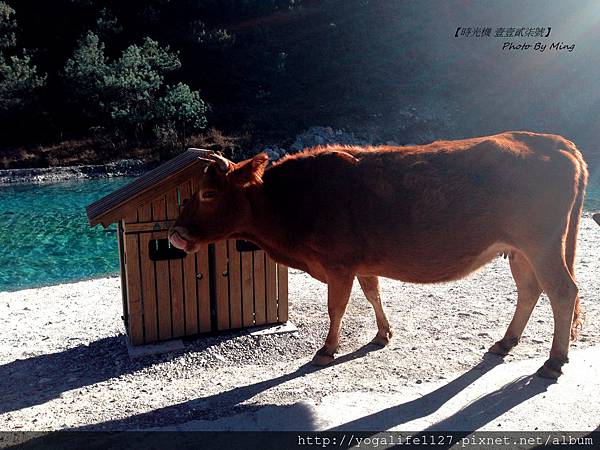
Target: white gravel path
63 361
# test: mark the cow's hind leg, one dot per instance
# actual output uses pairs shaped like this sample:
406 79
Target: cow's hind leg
528 293
338 294
556 280
370 286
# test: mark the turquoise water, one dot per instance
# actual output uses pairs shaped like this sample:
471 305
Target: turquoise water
45 237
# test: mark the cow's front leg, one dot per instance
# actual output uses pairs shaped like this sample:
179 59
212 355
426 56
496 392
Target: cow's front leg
338 294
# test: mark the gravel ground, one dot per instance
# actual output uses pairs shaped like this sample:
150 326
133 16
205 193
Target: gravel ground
64 364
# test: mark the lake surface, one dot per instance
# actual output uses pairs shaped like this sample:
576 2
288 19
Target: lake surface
45 237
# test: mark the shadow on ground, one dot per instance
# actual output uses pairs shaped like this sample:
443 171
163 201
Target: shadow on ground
301 417
230 403
472 417
218 405
38 379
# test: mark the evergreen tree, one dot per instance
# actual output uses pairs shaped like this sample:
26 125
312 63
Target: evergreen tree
19 78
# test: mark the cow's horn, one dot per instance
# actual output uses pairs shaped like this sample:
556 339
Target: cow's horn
221 161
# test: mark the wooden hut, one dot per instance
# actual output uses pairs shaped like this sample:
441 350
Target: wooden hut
168 294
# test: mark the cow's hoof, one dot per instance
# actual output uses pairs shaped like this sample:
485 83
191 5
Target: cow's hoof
503 346
382 340
322 358
552 368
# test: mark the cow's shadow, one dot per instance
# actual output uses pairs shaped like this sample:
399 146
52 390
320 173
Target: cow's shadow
85 365
472 417
232 402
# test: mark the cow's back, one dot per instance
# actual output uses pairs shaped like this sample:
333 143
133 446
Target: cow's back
412 207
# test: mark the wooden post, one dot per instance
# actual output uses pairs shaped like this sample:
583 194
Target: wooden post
122 260
134 290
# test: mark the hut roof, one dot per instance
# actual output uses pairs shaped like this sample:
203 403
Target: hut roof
111 208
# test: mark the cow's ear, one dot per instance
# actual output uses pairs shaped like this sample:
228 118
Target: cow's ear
250 171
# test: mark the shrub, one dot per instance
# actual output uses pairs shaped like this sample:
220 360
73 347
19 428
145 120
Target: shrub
181 109
128 96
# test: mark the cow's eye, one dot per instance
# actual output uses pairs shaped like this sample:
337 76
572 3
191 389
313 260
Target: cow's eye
207 195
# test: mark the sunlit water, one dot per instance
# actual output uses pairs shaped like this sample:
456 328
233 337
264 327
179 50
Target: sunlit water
45 237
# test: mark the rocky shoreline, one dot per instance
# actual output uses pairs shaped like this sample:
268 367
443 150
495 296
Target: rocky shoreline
126 167
312 137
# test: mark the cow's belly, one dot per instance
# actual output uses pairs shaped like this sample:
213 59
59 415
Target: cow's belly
433 268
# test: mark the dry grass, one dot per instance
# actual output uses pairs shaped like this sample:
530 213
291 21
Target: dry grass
100 151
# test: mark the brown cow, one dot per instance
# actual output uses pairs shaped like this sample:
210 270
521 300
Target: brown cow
421 214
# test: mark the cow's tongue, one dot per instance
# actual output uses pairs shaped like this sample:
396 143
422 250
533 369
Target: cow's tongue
178 241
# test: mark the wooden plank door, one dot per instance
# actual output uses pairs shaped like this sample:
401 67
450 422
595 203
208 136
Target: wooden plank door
222 285
235 285
163 288
247 276
203 289
176 273
148 273
190 276
282 293
271 290
260 298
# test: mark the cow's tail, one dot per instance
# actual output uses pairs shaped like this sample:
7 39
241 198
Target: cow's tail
571 240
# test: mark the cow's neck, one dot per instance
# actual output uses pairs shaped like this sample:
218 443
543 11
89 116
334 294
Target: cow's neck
265 229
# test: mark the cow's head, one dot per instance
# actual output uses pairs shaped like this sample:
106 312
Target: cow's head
220 205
